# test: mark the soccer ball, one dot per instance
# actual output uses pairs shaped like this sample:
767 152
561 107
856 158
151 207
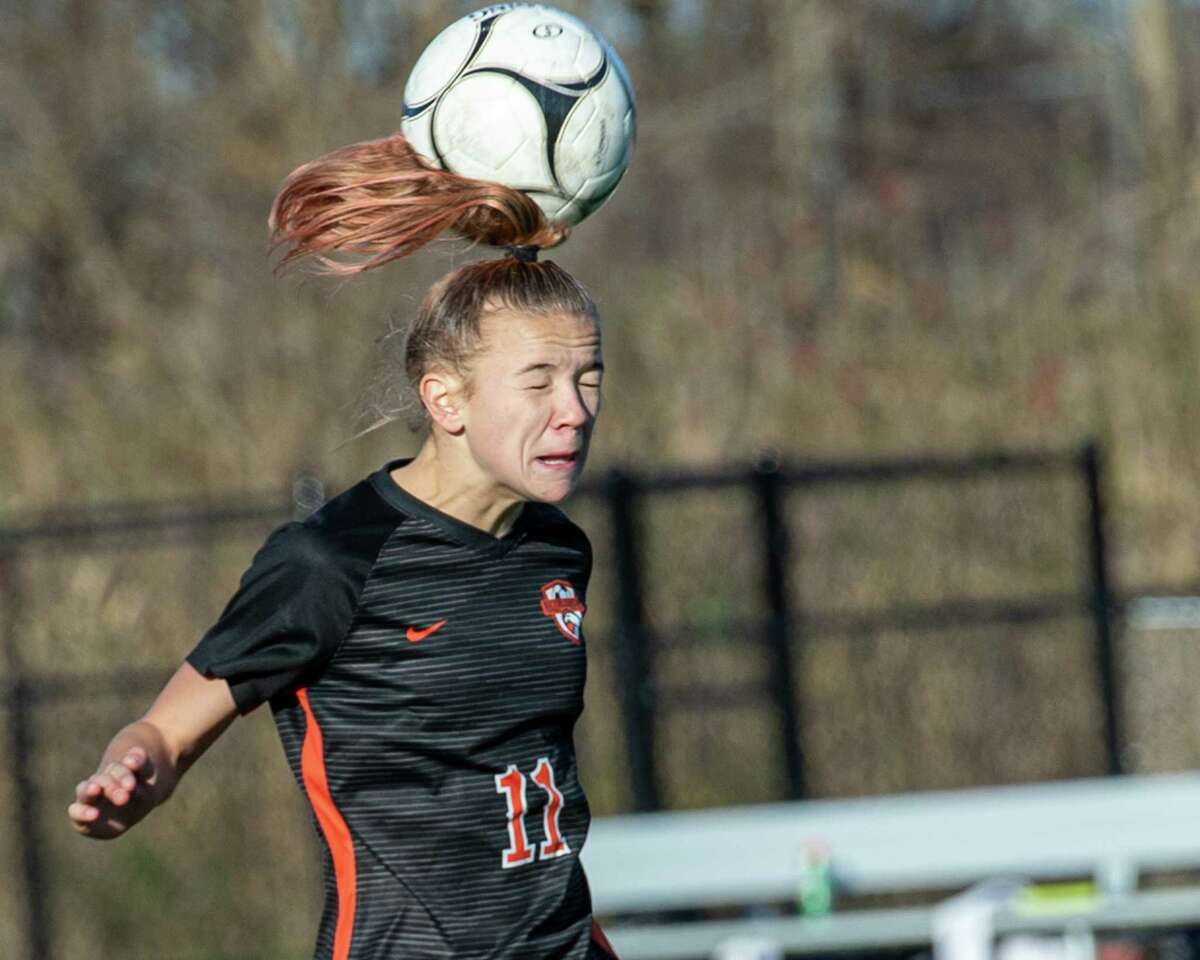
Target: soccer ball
525 95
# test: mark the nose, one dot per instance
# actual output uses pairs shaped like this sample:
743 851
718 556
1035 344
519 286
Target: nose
570 408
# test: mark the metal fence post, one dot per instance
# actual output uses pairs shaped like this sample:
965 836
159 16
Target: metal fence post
22 738
1101 604
635 671
769 486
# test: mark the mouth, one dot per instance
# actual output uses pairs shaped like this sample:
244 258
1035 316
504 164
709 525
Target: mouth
565 460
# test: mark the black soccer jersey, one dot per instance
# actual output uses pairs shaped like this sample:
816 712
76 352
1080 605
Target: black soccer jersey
425 678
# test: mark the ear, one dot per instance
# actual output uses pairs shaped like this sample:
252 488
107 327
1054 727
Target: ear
442 394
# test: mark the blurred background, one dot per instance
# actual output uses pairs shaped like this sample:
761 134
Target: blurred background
901 339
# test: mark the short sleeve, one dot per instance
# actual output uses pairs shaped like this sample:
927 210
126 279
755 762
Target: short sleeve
285 622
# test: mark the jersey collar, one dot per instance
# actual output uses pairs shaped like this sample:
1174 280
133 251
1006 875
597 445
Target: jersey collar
452 527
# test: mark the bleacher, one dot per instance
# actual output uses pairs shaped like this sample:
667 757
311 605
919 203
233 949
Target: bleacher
653 875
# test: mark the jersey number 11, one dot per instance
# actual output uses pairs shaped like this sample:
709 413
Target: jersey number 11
511 784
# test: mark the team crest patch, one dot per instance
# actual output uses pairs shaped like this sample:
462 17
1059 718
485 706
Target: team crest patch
564 608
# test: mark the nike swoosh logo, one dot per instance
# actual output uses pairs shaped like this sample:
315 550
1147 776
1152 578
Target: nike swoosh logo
416 636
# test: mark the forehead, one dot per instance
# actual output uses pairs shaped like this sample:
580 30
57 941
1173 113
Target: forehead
509 335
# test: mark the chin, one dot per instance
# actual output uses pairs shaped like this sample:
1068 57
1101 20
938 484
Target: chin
552 491
552 485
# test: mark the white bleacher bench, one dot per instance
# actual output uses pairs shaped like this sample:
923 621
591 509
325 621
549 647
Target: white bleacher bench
1112 830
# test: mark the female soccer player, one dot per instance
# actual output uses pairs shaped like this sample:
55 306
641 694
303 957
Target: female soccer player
418 638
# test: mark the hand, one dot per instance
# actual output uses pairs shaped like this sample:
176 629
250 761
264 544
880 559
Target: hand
142 764
115 797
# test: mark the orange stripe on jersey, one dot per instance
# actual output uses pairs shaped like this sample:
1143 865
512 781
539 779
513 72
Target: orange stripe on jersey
333 826
601 940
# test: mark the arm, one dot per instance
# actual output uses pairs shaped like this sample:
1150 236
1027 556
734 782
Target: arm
290 612
144 761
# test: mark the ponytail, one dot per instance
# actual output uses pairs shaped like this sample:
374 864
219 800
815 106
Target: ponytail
381 200
378 201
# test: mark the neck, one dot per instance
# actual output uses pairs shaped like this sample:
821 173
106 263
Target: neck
456 490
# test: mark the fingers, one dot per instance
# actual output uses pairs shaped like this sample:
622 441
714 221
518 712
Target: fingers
98 799
83 813
94 811
115 785
136 760
139 763
116 782
122 776
135 766
90 821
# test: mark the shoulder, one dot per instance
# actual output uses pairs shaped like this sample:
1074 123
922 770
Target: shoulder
293 556
345 535
355 512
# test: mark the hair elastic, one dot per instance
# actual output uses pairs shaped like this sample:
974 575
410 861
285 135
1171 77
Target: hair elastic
526 254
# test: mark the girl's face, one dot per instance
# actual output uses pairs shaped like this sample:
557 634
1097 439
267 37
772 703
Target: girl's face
532 400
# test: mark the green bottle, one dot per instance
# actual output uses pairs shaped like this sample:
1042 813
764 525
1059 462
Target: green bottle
814 890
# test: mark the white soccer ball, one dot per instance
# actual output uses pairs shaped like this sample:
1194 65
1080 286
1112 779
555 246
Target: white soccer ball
525 95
